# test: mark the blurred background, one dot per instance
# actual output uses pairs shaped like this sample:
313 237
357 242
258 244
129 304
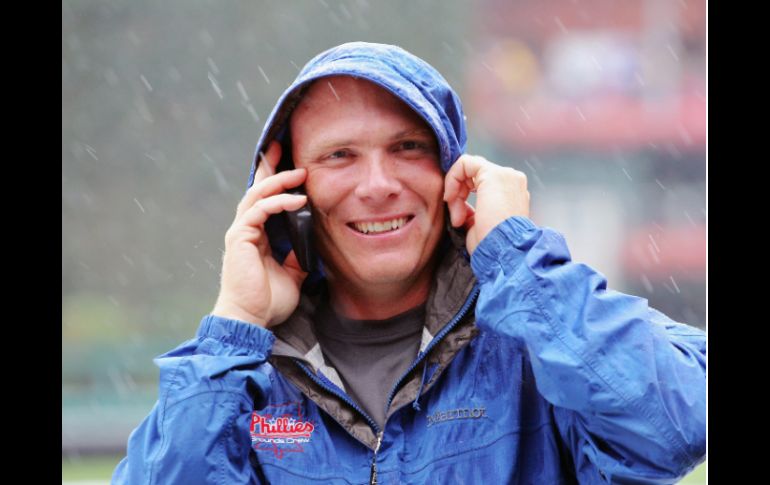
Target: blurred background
601 103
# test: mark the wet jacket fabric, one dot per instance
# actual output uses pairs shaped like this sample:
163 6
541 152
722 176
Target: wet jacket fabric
530 370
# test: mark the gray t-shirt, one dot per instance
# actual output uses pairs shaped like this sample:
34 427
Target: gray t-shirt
370 355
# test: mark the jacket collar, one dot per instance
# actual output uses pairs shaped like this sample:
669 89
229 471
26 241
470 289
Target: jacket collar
452 284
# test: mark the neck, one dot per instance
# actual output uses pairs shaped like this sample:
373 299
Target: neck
368 302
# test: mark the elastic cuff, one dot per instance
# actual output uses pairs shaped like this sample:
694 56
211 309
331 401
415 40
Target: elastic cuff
238 333
506 243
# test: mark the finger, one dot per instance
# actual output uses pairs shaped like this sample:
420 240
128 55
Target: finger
272 185
257 214
470 218
461 176
268 161
457 212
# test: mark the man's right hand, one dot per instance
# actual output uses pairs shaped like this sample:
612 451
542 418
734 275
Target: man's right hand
255 288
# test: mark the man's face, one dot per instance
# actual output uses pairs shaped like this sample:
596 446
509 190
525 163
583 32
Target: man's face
371 160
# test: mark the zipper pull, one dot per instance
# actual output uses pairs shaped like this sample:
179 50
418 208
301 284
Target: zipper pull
373 477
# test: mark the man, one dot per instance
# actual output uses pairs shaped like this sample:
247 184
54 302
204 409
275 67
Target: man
422 350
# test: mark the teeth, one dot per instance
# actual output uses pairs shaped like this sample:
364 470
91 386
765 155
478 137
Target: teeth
369 227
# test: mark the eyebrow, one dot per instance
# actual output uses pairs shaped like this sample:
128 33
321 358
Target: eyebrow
401 134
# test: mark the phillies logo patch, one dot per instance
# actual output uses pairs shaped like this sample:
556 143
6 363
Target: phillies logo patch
280 432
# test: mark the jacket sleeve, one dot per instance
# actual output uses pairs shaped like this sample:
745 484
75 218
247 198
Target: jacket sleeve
627 384
198 430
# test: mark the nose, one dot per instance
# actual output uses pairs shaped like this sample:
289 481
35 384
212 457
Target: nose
378 179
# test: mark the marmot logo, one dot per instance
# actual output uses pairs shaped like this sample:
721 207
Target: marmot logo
460 413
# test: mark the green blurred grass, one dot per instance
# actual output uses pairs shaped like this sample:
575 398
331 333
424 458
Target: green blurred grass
101 468
697 477
89 467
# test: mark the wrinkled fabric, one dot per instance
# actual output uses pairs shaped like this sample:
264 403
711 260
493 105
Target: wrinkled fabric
563 380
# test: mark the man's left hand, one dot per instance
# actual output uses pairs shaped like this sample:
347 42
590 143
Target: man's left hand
501 192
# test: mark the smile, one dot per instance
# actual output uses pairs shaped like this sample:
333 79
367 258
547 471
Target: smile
380 227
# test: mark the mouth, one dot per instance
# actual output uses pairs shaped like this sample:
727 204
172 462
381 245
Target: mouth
382 226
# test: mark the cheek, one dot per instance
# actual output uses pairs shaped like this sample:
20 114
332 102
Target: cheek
325 189
429 184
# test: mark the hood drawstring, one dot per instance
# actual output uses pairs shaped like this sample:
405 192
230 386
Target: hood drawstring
416 403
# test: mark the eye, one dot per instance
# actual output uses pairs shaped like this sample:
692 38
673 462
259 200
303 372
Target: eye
338 154
413 145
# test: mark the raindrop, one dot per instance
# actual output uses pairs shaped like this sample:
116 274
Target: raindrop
221 181
685 136
146 83
263 73
535 175
346 12
674 283
580 113
627 175
525 113
673 151
687 214
91 151
215 85
560 24
140 206
647 284
660 184
212 65
127 259
252 112
673 54
596 63
333 91
242 91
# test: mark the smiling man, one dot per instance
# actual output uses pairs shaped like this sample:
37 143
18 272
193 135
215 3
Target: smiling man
376 186
436 342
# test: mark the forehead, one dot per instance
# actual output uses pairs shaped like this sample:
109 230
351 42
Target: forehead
334 98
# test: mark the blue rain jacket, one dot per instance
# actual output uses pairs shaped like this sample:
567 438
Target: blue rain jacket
530 369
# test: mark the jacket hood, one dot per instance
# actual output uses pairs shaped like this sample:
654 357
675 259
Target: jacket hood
405 75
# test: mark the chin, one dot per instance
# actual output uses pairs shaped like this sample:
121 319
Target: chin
387 271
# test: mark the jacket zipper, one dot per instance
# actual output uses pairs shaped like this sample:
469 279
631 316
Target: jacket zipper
436 340
341 395
459 316
373 475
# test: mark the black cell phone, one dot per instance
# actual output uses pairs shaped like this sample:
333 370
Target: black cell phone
299 223
300 226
